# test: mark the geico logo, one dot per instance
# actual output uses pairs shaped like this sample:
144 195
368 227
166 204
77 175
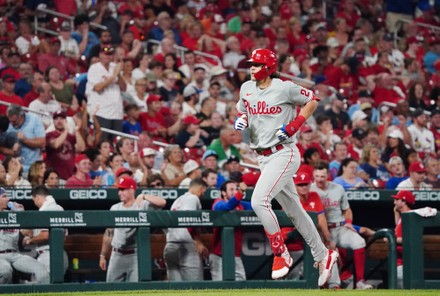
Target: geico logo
427 195
19 194
255 244
164 193
362 195
214 194
88 194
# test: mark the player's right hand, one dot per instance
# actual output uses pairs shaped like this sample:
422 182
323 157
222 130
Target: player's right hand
241 122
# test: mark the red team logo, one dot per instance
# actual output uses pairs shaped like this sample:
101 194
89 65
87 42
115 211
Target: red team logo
262 108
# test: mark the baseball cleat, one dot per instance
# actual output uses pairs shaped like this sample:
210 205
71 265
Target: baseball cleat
281 265
362 285
325 267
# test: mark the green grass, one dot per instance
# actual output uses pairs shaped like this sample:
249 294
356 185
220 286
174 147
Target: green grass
251 292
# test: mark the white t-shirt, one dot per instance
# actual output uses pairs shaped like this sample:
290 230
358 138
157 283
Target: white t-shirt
50 107
408 185
422 140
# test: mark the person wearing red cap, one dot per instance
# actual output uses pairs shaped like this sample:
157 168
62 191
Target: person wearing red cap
81 178
120 243
7 94
306 140
153 120
417 173
190 135
61 146
404 202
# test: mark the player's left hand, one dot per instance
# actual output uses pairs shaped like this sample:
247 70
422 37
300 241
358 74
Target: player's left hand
282 133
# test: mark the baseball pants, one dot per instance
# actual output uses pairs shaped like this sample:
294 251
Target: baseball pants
347 238
216 266
22 263
44 258
183 262
122 268
276 181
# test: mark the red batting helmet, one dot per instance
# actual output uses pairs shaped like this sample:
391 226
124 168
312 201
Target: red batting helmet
268 59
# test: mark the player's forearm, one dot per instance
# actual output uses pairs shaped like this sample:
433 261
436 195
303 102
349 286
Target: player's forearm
106 242
348 214
309 109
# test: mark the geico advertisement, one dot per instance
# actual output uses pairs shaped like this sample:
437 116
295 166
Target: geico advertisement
174 193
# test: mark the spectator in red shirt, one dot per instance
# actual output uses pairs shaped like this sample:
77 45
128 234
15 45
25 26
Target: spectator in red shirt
7 93
61 146
435 128
81 177
348 12
153 121
12 63
53 58
307 140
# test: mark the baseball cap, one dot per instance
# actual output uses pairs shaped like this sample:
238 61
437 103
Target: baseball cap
395 133
189 90
417 167
191 119
218 70
302 178
209 153
365 106
13 53
435 112
123 170
233 158
153 98
358 133
55 40
305 128
321 26
418 112
9 78
59 113
364 94
107 49
148 152
151 77
65 26
388 37
80 157
126 182
405 195
358 115
190 166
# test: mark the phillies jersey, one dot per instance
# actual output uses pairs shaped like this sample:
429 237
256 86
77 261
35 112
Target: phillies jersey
334 201
268 109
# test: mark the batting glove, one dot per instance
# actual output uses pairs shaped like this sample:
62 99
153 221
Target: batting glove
282 134
241 123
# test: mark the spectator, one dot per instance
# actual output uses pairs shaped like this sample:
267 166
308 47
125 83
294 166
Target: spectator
104 85
394 146
7 93
404 202
36 173
417 173
347 176
189 64
62 146
199 81
51 178
36 79
40 237
189 137
210 161
173 172
14 173
114 162
214 129
12 63
129 47
125 148
371 164
9 144
10 258
131 124
22 86
69 47
432 55
168 90
397 171
231 168
306 140
105 38
120 243
190 100
340 153
30 133
85 38
139 95
184 251
155 181
153 120
147 159
327 137
224 145
435 128
81 177
45 104
27 43
192 171
62 91
232 194
432 165
210 177
358 141
422 138
54 59
105 149
339 220
142 70
207 107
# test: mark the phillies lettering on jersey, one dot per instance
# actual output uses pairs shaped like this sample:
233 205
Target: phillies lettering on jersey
267 109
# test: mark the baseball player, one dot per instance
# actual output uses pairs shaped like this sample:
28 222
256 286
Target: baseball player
267 106
184 250
310 201
40 237
339 220
10 258
231 199
121 242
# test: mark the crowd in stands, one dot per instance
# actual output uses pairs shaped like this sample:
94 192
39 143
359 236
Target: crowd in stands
378 80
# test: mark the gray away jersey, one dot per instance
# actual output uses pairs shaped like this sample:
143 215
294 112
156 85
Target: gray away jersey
186 202
125 238
334 201
270 108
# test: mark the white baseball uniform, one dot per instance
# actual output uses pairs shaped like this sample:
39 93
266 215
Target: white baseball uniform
267 109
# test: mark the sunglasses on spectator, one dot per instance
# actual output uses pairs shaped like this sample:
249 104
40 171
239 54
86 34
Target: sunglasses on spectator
156 184
302 185
108 50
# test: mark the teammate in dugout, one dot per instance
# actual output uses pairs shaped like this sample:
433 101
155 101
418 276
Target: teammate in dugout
267 106
121 242
232 194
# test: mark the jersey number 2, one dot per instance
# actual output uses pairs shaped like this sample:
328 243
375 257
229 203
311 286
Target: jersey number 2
304 92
